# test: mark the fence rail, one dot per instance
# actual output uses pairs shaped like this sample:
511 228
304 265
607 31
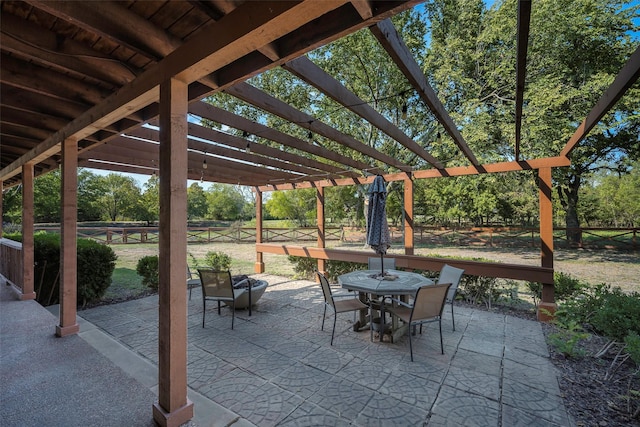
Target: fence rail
597 238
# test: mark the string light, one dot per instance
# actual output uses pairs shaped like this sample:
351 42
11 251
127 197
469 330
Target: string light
404 111
204 161
248 149
438 137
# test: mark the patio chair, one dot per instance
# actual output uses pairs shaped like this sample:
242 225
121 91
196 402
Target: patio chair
217 286
427 307
338 303
451 275
389 263
193 281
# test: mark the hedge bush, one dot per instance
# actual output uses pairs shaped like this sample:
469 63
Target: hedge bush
96 263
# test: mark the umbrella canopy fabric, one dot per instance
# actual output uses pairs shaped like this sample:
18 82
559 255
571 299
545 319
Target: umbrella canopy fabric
377 226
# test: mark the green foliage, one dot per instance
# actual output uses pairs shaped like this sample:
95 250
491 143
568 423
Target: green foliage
632 345
303 267
567 338
120 197
196 202
608 311
218 260
147 267
306 267
480 289
565 287
148 206
295 205
225 202
96 263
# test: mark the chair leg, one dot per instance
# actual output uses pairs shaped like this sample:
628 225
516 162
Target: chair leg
233 312
453 318
410 344
323 316
371 320
335 317
218 308
441 344
190 288
204 309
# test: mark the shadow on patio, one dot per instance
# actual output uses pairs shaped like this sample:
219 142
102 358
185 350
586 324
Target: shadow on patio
276 367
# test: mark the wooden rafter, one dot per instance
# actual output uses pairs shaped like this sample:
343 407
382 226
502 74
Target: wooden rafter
306 70
389 38
524 17
623 81
262 100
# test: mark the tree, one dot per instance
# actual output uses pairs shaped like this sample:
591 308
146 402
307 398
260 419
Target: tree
295 205
225 202
46 197
196 201
90 189
148 206
120 198
12 205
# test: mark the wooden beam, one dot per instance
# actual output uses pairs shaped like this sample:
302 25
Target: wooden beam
173 407
434 173
68 241
249 26
389 38
524 17
28 289
408 217
547 306
262 100
221 116
306 70
473 268
623 81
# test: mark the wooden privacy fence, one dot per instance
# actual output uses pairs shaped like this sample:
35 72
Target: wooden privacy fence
11 261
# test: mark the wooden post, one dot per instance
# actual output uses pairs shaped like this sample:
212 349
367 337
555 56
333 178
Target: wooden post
1 197
68 241
547 307
259 266
28 265
173 407
322 264
408 217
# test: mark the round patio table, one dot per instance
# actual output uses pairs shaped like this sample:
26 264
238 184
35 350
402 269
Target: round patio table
394 283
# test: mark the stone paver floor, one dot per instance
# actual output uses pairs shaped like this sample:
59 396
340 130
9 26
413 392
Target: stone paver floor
276 368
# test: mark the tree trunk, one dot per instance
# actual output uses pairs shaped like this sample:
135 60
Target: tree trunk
569 200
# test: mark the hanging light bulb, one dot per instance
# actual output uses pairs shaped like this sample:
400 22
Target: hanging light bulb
310 136
438 137
204 164
404 111
248 149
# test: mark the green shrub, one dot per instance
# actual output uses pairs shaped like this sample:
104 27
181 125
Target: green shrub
218 260
567 338
305 267
608 311
565 287
632 344
96 263
147 267
480 289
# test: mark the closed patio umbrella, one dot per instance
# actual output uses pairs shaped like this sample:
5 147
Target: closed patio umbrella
377 226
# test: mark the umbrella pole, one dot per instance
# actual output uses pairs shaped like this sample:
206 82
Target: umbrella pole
381 265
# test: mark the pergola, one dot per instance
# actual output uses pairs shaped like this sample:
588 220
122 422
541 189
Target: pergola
80 79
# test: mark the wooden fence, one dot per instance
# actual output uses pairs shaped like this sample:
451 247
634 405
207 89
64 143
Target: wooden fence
596 238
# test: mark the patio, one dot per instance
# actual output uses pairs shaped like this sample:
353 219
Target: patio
277 368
